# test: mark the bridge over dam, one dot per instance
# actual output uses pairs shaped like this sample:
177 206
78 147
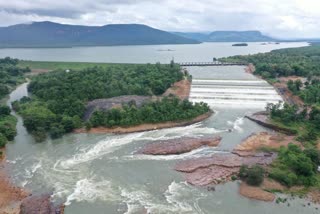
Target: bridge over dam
214 63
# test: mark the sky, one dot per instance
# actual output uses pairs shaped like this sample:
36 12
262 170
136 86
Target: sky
278 18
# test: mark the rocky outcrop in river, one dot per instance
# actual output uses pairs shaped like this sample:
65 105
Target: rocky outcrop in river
219 167
179 146
40 204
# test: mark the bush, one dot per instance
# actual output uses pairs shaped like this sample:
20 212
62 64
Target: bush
4 110
252 175
3 140
255 175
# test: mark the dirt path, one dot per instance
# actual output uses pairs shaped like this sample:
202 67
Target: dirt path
180 89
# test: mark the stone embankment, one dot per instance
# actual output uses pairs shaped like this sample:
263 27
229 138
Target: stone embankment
262 118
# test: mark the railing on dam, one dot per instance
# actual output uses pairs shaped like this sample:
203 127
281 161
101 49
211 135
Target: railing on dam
215 63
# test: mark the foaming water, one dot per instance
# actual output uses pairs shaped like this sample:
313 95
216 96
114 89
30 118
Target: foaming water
98 150
90 190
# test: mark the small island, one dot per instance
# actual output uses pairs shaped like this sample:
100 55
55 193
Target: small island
240 45
114 98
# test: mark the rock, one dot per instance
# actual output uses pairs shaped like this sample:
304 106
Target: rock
39 204
255 193
219 168
178 146
211 188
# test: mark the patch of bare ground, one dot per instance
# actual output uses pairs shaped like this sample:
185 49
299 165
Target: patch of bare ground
269 184
143 127
250 68
314 196
180 89
285 93
256 193
264 140
37 72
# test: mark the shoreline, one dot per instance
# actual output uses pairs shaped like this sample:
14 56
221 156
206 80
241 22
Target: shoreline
11 196
144 127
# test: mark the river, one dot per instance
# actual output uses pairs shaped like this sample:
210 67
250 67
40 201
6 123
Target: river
102 174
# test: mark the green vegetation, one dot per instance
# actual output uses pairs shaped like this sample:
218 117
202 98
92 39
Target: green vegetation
295 166
286 62
43 65
253 175
59 98
168 109
7 126
10 75
290 116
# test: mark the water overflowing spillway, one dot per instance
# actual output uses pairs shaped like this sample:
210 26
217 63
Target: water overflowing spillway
103 174
236 93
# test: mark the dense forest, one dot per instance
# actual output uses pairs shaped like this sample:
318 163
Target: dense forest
303 61
167 109
59 98
7 126
10 75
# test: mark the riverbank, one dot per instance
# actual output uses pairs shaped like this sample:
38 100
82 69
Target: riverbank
144 127
16 200
10 195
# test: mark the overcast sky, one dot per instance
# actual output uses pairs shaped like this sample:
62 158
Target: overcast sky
279 18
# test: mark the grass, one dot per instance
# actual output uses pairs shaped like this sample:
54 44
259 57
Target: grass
60 65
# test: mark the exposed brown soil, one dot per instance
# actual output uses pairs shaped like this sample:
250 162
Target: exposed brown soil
314 196
250 68
255 193
264 140
287 95
180 89
179 146
37 71
269 184
143 127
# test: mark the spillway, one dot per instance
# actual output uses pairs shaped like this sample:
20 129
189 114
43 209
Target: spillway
238 91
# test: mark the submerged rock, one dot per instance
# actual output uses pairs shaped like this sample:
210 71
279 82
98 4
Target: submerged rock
178 146
40 204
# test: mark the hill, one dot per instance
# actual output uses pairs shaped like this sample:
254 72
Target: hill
50 34
228 36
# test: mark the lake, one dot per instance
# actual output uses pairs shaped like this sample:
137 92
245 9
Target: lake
142 54
103 174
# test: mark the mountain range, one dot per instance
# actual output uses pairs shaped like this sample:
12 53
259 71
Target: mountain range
50 34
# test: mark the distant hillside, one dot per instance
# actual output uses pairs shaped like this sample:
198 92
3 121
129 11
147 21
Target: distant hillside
228 36
49 34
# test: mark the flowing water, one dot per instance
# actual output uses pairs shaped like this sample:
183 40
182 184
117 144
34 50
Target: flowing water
102 174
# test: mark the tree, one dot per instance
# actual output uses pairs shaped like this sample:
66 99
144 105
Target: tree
3 140
4 110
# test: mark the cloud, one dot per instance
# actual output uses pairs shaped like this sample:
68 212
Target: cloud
285 18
